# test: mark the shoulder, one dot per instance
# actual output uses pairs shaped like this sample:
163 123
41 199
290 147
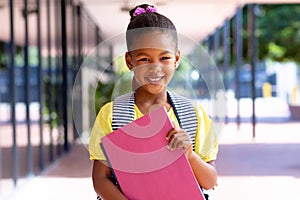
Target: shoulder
105 112
122 99
201 113
107 108
199 108
119 103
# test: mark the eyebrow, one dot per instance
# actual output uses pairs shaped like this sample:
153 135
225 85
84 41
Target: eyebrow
146 54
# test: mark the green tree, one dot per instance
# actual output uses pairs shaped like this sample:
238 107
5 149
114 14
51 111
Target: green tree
278 32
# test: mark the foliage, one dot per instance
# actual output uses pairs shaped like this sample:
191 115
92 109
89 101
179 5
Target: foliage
103 94
278 32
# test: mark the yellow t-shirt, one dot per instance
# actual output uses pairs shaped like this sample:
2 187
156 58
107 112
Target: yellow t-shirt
206 140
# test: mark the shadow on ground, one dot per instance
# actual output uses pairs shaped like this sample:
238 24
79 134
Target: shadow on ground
259 159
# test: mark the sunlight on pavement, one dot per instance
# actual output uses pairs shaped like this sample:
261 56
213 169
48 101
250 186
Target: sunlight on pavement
286 133
264 167
260 188
56 188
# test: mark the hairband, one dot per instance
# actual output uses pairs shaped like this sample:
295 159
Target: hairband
140 10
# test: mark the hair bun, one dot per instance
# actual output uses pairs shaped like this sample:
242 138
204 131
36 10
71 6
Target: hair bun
141 9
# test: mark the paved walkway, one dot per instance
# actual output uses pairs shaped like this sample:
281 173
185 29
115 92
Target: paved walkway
267 167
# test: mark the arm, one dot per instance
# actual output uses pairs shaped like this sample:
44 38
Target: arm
205 173
101 172
101 180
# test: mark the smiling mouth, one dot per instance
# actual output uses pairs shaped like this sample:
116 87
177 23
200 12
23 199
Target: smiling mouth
155 79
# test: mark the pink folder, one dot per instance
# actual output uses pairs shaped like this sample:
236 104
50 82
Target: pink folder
143 165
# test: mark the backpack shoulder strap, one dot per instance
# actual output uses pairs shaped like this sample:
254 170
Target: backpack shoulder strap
185 113
123 110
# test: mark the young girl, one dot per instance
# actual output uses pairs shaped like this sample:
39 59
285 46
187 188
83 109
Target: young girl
153 56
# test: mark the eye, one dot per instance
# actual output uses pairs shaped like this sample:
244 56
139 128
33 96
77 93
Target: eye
165 58
144 60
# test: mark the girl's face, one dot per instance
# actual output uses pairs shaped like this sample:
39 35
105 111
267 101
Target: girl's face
153 59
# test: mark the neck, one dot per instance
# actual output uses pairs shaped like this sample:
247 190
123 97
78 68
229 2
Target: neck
146 101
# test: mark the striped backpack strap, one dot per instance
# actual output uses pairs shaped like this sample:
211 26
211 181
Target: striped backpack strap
185 113
123 110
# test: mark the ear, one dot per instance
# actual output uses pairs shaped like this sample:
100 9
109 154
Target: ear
177 59
128 60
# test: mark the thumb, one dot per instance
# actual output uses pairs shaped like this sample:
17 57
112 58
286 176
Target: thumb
172 131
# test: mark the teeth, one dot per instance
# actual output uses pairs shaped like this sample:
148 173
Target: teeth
154 79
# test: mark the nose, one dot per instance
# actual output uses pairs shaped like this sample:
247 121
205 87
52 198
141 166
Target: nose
155 67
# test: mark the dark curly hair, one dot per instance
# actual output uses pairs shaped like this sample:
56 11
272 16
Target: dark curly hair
146 22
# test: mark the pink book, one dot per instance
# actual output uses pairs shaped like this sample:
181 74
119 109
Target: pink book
143 165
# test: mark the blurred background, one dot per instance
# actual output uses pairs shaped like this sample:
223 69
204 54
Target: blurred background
60 62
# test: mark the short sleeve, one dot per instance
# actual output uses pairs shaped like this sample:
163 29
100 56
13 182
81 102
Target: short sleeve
206 140
102 127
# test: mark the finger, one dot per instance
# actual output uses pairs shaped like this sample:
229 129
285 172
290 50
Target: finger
183 141
172 132
172 142
180 144
179 140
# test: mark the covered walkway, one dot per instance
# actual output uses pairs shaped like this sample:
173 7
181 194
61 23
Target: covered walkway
41 157
265 168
